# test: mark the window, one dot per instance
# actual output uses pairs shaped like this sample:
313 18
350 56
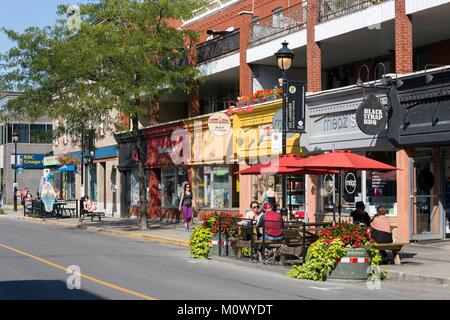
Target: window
255 20
9 133
211 187
134 188
382 186
24 132
39 133
277 18
260 184
171 186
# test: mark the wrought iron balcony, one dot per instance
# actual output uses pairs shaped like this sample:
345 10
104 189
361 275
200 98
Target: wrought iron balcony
218 46
278 24
330 9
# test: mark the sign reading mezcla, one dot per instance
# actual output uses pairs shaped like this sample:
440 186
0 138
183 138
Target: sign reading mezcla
371 116
295 106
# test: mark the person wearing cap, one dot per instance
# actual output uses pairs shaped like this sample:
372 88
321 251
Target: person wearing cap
272 222
360 216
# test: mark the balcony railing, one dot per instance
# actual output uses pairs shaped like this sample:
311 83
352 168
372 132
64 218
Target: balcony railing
278 24
331 9
218 46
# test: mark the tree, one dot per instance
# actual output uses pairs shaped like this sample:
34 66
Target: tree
125 56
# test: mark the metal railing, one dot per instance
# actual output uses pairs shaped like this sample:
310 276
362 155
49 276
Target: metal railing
218 46
276 25
331 9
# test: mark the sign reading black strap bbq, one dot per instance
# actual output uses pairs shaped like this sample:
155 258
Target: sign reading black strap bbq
371 115
295 108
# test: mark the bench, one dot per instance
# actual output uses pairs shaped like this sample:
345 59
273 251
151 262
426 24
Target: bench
94 214
396 248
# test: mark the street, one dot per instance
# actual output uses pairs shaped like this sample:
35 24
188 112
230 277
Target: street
34 257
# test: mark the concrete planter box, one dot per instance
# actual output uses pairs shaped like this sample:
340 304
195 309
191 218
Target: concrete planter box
351 268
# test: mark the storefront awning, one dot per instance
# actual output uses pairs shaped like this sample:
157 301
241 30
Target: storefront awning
67 169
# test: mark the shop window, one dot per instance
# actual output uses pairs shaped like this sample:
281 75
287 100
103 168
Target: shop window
382 186
39 133
134 188
172 180
260 184
24 132
212 187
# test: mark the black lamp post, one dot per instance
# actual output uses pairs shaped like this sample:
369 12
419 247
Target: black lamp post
15 139
284 57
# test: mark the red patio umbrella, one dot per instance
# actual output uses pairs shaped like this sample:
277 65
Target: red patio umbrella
343 160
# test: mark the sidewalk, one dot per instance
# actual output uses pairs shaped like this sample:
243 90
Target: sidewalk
423 262
159 231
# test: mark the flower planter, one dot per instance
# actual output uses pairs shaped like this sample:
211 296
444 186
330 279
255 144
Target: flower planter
351 268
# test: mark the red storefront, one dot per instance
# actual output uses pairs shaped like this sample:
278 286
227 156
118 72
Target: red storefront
167 145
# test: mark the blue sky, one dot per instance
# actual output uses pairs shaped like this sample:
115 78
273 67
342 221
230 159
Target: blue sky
20 14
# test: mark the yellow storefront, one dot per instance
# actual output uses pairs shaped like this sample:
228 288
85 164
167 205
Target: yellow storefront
258 140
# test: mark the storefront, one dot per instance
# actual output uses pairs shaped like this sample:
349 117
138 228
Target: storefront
332 125
257 139
166 173
64 177
420 125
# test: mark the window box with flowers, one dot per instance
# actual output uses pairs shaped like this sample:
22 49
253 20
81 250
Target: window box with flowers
344 252
245 103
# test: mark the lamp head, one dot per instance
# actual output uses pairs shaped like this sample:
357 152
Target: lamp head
398 83
428 78
284 57
15 137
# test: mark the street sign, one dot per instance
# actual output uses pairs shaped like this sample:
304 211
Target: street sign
295 108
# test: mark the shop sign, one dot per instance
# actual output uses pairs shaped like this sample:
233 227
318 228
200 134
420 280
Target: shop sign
371 116
296 94
350 187
219 124
29 161
50 161
277 142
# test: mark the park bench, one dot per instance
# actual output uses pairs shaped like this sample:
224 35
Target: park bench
92 215
396 248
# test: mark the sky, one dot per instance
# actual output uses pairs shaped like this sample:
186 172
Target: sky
20 14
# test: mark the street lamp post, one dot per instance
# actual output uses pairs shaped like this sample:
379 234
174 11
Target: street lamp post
15 139
284 58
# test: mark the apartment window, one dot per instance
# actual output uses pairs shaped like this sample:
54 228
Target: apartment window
24 132
38 133
277 18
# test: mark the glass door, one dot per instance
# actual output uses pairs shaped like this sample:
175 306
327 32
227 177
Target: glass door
426 205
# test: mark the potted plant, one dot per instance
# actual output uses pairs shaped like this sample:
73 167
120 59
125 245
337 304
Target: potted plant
343 252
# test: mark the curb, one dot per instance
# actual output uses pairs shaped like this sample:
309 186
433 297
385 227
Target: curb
399 276
123 234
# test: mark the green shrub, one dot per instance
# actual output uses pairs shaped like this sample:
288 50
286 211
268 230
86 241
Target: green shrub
2 212
200 242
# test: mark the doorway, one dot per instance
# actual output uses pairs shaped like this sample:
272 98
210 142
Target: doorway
427 204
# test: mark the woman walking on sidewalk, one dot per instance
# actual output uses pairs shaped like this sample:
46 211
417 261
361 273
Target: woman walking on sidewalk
186 204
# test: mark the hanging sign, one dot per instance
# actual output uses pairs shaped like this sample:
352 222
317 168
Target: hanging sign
371 116
295 109
277 142
219 124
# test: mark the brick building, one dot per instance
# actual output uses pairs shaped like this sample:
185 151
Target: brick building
335 44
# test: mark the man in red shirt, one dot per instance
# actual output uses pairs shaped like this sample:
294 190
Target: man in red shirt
272 222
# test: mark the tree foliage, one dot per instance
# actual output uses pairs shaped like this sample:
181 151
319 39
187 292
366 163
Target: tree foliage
126 55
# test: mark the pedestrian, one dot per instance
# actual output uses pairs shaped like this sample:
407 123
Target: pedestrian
24 195
380 230
271 196
360 216
186 204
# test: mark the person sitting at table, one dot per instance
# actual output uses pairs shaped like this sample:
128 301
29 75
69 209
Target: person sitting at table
272 223
253 214
380 230
88 206
360 216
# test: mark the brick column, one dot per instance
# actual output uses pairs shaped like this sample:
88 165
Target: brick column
313 51
194 93
154 201
245 72
403 195
403 39
311 206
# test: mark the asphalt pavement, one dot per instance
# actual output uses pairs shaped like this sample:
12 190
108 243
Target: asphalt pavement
34 258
